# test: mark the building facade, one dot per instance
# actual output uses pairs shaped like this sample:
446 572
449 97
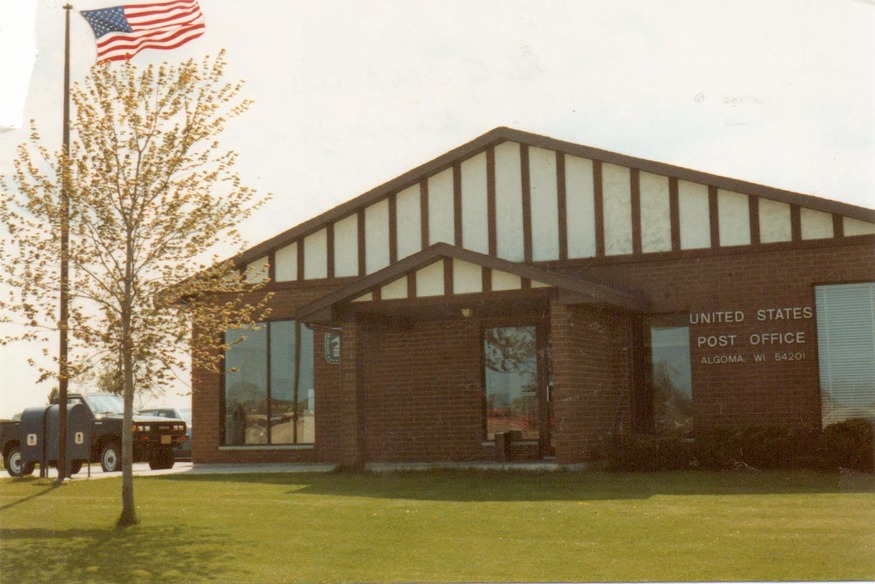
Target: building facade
530 298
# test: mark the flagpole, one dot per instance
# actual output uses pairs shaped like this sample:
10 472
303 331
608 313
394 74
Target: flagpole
64 319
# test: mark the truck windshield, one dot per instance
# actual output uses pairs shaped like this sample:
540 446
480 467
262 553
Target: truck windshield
105 404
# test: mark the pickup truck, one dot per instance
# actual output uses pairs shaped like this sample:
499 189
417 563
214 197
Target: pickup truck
154 438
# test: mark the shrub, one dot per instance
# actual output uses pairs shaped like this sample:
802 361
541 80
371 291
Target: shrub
759 447
850 444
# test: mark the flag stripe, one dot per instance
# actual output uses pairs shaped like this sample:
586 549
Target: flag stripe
125 47
156 25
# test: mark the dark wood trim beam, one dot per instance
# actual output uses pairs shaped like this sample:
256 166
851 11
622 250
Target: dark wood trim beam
491 212
362 247
635 200
526 181
796 223
599 208
393 228
838 226
448 276
753 205
423 211
457 204
714 216
674 211
329 236
300 260
562 206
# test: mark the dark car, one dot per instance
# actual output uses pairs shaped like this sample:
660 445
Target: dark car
183 451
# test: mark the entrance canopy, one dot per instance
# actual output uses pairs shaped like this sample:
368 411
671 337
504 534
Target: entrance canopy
444 277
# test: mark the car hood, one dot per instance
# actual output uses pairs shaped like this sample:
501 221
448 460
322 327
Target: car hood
141 419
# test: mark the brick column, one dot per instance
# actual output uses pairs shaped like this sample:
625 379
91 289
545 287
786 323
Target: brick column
350 400
590 380
567 391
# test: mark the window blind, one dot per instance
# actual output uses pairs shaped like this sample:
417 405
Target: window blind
846 347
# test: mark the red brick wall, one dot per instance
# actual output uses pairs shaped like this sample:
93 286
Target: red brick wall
423 392
768 392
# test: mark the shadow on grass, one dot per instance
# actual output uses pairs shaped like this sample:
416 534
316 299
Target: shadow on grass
46 488
154 553
461 485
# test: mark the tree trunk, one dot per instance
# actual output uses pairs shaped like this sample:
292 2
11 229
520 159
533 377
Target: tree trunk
129 510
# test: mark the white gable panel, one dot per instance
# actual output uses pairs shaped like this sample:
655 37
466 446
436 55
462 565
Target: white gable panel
396 290
509 202
580 207
430 280
409 217
346 246
257 271
545 204
467 277
441 218
775 222
617 204
377 236
733 212
655 213
365 298
286 259
695 216
316 255
502 281
475 235
816 224
857 227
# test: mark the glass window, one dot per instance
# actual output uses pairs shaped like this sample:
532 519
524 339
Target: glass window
269 386
670 375
511 376
846 349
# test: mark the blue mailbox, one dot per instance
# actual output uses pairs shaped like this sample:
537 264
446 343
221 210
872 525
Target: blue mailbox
32 432
79 419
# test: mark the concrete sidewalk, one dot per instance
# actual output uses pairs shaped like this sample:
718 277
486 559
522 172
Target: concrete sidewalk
142 470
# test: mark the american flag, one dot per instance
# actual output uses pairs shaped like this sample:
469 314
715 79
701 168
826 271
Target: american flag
124 31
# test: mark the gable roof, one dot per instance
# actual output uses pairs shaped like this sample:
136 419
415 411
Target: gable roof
570 290
504 134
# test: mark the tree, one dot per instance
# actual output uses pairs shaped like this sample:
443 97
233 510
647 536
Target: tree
151 193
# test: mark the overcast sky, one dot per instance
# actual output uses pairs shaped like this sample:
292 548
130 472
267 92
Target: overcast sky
349 95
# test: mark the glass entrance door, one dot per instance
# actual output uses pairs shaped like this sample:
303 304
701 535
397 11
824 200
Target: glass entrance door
516 384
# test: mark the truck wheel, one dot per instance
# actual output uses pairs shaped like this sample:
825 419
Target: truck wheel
110 457
15 466
162 458
75 467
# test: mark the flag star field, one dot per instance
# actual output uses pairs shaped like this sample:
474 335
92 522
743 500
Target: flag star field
107 20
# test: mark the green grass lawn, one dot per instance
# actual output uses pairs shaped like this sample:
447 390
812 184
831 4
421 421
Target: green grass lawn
443 526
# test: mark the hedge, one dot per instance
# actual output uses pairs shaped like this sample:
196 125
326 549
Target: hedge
845 445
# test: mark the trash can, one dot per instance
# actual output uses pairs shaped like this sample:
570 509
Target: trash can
502 446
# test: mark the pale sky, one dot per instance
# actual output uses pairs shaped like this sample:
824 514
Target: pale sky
349 95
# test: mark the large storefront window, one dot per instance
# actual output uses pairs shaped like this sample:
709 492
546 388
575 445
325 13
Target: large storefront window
846 349
269 386
669 374
511 376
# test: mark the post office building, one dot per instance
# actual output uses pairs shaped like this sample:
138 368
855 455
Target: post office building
526 297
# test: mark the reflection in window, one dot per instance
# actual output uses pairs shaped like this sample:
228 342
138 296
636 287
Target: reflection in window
511 375
269 385
670 377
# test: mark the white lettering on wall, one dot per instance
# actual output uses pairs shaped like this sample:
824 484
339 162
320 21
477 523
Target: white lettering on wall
762 340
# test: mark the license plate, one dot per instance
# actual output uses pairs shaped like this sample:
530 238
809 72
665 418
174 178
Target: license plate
166 440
